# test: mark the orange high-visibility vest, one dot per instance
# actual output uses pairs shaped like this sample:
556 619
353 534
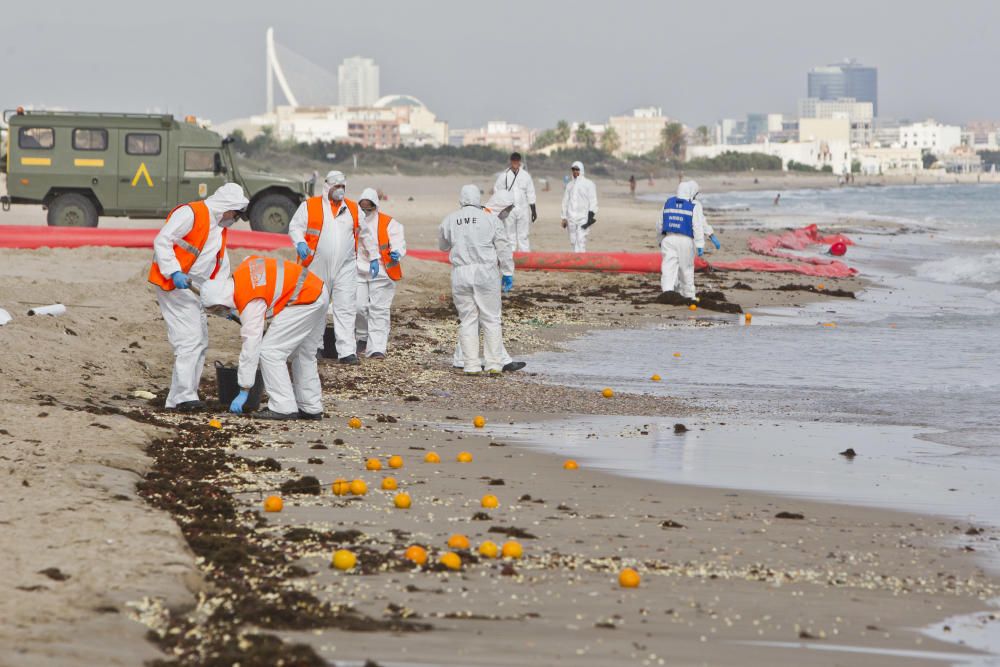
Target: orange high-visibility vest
314 223
392 267
188 248
278 282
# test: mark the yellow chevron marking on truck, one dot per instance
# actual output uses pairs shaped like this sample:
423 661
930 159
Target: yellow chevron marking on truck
142 171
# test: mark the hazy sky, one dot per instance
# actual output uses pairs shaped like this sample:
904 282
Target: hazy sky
528 62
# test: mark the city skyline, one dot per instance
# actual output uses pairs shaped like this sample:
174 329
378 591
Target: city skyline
753 61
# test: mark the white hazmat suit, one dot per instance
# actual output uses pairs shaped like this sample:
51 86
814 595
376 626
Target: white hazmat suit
480 253
295 334
374 296
187 327
579 200
334 260
522 193
678 250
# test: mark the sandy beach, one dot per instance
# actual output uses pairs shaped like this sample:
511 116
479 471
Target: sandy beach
138 536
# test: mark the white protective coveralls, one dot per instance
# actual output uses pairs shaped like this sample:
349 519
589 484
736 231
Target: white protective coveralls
579 199
187 327
374 296
295 334
678 250
334 261
480 253
522 191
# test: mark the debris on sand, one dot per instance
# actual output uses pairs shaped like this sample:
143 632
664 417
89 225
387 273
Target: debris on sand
680 428
789 515
849 453
307 485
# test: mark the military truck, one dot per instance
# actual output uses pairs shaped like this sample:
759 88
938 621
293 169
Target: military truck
80 166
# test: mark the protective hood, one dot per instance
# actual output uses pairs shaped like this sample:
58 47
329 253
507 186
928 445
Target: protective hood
371 194
687 190
578 165
469 196
218 293
229 197
333 178
500 200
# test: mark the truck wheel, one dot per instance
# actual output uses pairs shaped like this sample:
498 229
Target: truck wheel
72 210
271 213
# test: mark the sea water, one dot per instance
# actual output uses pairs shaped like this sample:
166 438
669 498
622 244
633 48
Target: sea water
907 374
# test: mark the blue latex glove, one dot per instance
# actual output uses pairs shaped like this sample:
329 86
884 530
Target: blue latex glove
394 256
303 249
715 241
181 280
373 268
238 402
507 283
701 252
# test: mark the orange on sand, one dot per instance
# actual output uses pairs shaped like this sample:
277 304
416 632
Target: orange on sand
479 421
389 484
452 561
677 354
512 550
344 559
341 487
570 464
215 423
829 324
464 457
628 578
458 542
747 317
489 549
273 504
354 422
821 286
692 307
490 501
396 461
402 501
655 378
416 554
607 392
373 464
358 487
432 457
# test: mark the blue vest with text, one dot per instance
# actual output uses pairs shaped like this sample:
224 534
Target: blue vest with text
678 217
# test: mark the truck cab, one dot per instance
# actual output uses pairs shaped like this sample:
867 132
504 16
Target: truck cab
80 166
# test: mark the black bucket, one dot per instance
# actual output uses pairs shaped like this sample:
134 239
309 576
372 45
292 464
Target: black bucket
329 350
229 387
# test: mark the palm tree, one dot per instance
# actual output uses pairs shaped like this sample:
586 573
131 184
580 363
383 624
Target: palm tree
585 136
672 142
562 132
610 142
703 135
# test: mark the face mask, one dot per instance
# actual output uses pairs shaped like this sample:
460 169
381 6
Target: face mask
337 194
369 214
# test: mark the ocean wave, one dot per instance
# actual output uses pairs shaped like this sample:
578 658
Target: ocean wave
964 269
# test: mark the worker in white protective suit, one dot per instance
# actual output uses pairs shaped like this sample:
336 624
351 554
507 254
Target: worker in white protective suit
326 231
281 308
500 204
579 207
516 181
374 296
482 265
683 228
190 249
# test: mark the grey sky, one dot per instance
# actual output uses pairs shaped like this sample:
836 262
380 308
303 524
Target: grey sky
529 62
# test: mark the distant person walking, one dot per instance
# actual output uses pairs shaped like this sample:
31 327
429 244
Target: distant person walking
517 182
631 185
579 207
777 199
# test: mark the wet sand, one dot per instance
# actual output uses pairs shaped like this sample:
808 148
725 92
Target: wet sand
734 572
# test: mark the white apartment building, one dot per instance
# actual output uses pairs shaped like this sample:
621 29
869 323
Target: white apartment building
930 136
501 134
884 160
836 155
357 82
859 114
640 132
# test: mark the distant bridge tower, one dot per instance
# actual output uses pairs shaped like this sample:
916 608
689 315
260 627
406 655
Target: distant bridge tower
274 71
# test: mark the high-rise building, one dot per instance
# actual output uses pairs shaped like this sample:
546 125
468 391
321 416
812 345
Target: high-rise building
640 132
357 82
847 79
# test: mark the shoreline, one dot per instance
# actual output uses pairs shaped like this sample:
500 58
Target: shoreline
546 309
